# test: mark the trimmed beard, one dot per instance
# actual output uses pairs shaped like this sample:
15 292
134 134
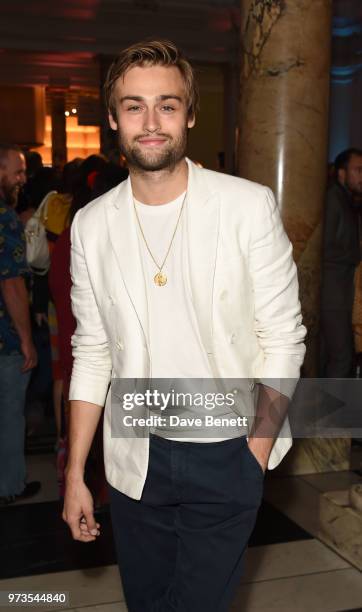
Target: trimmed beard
11 193
355 189
172 153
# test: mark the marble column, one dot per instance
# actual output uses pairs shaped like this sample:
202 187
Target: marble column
59 134
283 140
285 57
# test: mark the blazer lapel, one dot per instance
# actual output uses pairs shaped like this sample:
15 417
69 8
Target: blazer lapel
124 240
202 236
200 248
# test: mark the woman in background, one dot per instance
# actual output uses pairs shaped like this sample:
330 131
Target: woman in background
56 219
91 184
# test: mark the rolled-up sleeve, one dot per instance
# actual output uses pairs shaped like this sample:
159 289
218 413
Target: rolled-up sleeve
92 361
278 318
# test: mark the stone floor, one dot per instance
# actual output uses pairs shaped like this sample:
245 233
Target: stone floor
288 568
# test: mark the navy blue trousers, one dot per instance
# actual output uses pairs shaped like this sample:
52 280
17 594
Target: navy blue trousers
181 547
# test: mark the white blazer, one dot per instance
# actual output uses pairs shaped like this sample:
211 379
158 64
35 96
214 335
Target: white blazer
245 295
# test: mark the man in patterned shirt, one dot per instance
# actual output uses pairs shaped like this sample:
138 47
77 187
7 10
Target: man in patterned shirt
17 352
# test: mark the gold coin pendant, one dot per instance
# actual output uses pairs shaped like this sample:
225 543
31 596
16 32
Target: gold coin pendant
160 279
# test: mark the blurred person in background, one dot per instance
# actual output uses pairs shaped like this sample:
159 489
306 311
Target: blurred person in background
91 184
43 181
34 163
40 180
17 353
340 257
56 218
357 303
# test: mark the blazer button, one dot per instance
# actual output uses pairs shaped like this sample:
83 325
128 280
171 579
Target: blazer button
119 345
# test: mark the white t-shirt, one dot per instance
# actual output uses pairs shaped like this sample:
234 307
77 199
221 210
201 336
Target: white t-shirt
176 349
175 343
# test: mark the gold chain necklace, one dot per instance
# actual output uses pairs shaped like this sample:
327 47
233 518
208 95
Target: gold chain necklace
160 279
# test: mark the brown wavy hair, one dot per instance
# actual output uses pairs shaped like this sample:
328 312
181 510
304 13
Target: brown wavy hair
152 53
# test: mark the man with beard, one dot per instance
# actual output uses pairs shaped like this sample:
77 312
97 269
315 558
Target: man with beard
341 255
17 352
185 274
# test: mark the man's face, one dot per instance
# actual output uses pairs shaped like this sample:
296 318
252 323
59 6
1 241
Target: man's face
12 176
352 176
152 119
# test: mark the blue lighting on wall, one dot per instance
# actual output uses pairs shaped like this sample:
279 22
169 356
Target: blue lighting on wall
347 30
342 81
343 75
343 132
